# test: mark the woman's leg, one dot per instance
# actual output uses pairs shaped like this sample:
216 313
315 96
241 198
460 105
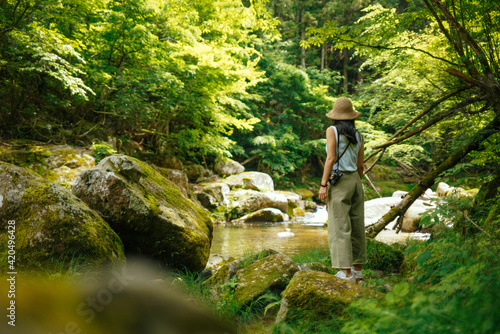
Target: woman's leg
339 223
357 215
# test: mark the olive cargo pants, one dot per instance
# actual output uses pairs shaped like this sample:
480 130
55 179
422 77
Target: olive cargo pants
346 221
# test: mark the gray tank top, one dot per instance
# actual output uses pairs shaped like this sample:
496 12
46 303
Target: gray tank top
350 158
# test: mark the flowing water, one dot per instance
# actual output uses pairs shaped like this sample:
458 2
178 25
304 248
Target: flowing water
238 239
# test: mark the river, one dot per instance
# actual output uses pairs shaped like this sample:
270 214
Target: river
239 239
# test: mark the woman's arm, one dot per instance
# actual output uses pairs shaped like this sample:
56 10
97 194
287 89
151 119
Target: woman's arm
361 157
330 160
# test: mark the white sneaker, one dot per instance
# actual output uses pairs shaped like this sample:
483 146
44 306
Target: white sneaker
341 274
357 274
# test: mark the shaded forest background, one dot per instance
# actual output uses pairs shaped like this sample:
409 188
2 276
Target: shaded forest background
252 80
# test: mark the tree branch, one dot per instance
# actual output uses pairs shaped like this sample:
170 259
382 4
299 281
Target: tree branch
458 47
429 109
464 34
432 121
399 209
375 162
381 47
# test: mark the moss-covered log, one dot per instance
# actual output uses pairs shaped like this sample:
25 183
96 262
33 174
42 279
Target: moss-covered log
429 179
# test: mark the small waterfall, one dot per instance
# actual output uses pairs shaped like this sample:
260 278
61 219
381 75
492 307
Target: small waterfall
317 218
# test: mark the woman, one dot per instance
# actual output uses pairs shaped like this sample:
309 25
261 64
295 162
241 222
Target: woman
345 204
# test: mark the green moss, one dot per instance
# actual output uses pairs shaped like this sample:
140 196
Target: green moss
54 229
381 256
155 219
313 296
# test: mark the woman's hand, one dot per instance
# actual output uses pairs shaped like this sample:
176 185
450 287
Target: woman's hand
322 193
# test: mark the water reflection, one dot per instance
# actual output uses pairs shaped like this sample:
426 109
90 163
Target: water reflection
238 239
241 239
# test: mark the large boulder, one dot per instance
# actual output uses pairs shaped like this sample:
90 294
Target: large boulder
53 229
270 273
56 163
226 166
306 194
376 208
294 200
314 295
251 180
212 195
195 172
124 302
148 212
178 177
246 201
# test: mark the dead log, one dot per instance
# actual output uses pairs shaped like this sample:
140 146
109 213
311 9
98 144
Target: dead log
429 180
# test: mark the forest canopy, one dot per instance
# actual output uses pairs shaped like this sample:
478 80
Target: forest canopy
253 80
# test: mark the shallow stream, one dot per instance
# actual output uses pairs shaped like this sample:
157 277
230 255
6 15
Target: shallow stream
238 239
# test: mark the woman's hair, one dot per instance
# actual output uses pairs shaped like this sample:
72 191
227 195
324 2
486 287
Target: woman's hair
347 128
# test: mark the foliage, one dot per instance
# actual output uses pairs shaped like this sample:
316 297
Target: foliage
380 256
101 150
455 286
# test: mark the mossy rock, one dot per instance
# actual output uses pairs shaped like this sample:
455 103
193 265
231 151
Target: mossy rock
319 267
148 212
312 296
265 215
270 273
381 256
119 301
225 271
57 163
225 166
306 194
53 228
251 180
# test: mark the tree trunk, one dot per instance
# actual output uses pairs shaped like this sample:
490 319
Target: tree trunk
302 38
323 51
400 209
345 56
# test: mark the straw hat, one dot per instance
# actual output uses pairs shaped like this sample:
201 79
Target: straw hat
343 110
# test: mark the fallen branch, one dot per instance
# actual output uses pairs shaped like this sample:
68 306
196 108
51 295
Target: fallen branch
399 209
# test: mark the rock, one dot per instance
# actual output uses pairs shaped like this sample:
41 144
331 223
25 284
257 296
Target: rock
304 193
212 195
226 166
251 180
148 212
412 217
178 177
294 200
456 193
125 302
245 201
53 228
270 273
215 260
56 163
194 172
319 267
311 206
472 192
226 270
299 212
265 215
376 208
314 295
441 189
